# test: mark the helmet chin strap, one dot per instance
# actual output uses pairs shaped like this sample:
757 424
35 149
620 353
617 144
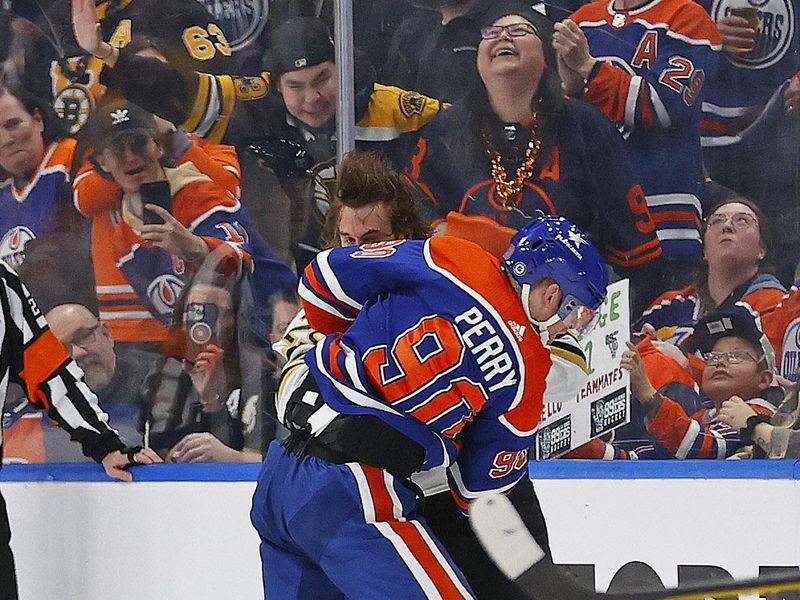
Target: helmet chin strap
525 296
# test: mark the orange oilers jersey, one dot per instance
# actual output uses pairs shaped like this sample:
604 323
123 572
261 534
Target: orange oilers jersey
782 326
654 61
430 337
138 284
698 435
95 196
94 193
130 314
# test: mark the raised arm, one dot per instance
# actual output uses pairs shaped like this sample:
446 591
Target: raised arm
667 78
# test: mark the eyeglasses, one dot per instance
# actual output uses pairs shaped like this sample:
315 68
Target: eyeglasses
85 338
739 220
736 357
514 30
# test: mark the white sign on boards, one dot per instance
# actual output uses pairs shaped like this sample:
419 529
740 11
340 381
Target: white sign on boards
603 404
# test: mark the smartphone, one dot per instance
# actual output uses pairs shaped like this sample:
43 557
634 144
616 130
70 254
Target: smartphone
200 321
158 193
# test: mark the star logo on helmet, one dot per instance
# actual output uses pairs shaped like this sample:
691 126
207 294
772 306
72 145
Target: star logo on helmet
576 238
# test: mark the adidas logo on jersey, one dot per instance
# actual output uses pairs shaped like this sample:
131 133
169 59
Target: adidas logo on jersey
519 330
119 116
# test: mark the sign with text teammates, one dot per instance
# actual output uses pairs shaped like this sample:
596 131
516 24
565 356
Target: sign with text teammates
603 403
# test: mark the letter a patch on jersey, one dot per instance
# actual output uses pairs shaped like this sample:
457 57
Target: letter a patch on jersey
647 52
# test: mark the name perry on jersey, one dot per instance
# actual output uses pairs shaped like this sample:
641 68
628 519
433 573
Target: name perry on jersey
487 347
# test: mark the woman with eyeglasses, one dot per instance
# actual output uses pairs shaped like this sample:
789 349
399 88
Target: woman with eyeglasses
736 244
514 146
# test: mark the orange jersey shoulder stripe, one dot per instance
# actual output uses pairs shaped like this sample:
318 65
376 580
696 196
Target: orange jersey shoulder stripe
41 359
691 20
685 18
481 272
64 153
764 299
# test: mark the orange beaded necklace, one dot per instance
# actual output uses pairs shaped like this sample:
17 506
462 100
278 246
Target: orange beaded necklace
507 190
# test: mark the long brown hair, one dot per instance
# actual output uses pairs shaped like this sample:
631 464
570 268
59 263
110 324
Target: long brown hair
365 177
765 237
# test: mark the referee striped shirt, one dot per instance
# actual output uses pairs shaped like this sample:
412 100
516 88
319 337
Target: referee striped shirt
32 356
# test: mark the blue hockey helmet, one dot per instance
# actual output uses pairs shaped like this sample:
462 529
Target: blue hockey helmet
554 247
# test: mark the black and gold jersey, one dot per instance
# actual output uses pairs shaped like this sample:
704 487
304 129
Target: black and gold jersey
184 32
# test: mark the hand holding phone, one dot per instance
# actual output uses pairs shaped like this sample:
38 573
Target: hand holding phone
158 193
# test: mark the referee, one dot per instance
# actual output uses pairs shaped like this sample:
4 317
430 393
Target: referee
32 356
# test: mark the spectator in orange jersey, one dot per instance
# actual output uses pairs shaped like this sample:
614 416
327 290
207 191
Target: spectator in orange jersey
144 253
36 211
739 364
139 266
736 245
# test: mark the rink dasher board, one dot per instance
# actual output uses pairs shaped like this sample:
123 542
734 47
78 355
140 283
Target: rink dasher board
183 531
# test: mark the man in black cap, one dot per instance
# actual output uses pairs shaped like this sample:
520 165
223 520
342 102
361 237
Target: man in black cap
290 110
205 104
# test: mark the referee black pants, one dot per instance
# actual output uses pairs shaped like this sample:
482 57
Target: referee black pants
8 579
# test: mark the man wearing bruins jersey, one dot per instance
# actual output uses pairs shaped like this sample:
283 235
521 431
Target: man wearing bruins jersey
185 31
293 107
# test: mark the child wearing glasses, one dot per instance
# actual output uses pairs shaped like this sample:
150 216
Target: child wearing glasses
738 364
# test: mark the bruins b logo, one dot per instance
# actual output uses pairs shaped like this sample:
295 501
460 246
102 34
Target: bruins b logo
411 104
